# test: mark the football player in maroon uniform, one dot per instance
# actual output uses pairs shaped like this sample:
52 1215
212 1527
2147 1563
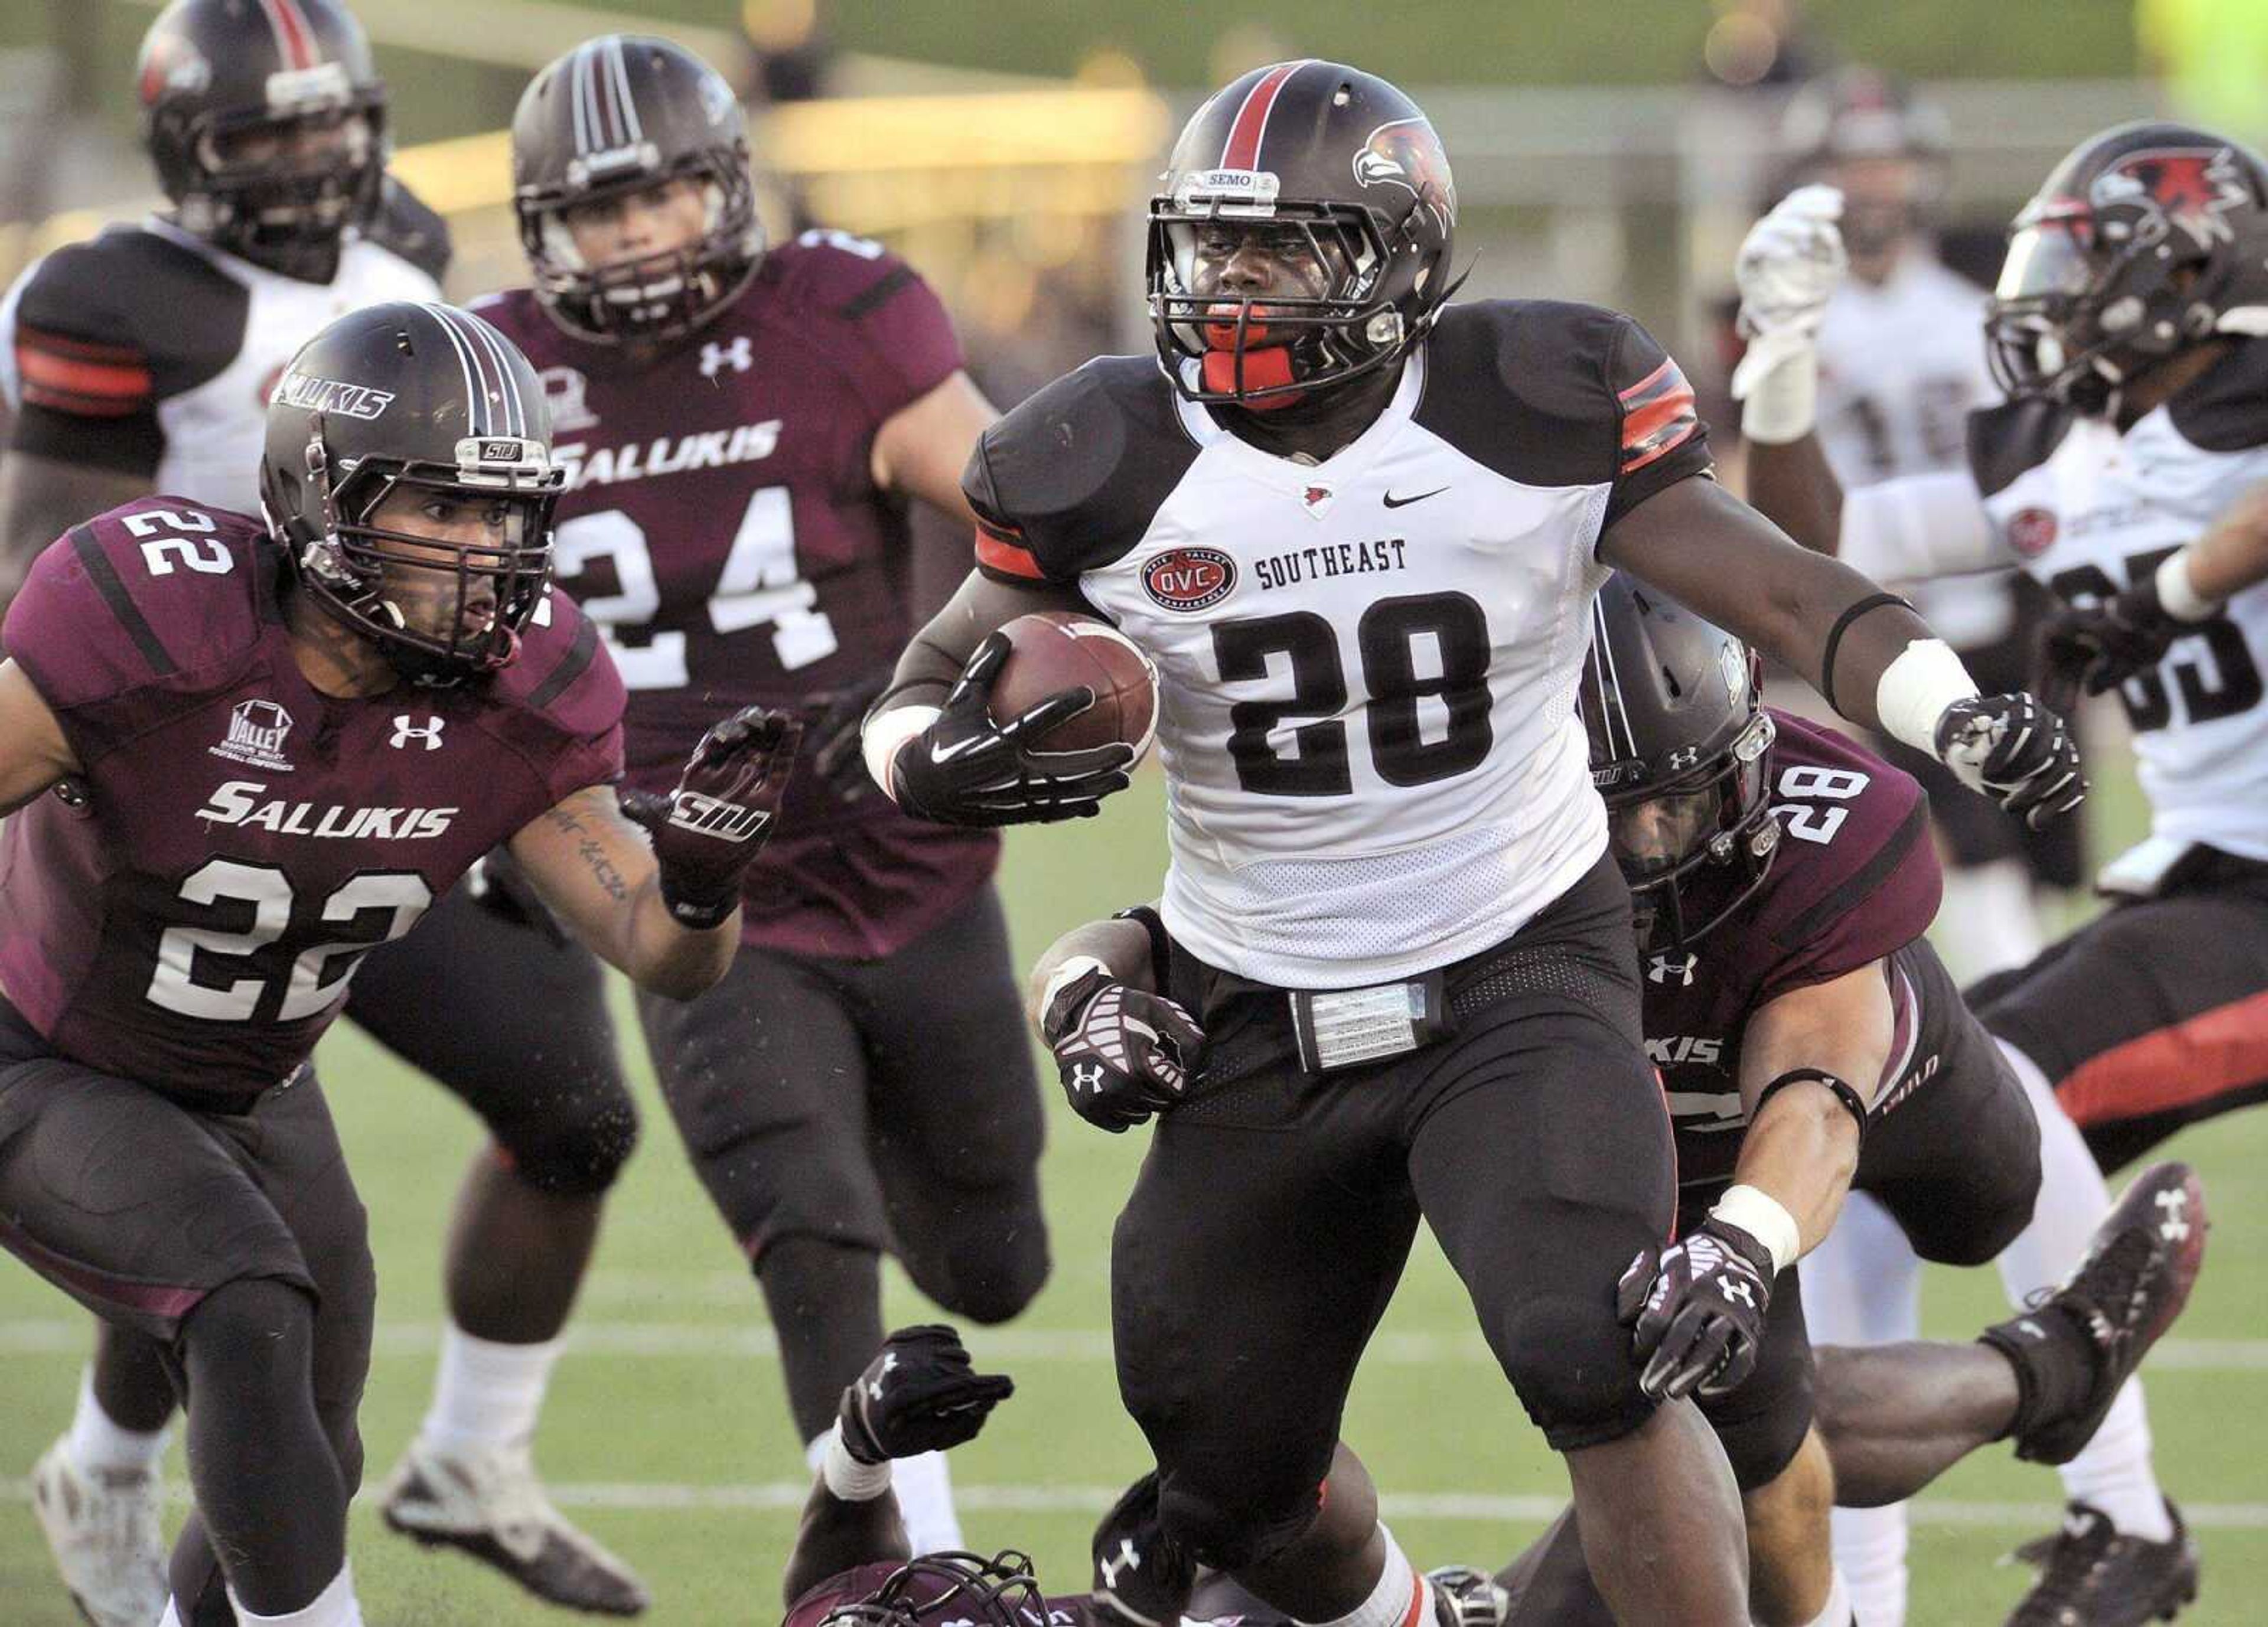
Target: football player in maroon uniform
1358 527
140 361
745 427
238 752
1810 1044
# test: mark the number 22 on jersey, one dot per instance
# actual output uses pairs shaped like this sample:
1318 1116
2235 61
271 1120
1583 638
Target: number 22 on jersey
759 586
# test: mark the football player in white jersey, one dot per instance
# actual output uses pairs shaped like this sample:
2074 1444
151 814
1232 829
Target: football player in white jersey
142 361
1901 365
2125 329
1358 531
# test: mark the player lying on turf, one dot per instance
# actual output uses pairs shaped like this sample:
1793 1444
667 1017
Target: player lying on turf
235 754
1358 528
850 1566
2124 474
1810 1042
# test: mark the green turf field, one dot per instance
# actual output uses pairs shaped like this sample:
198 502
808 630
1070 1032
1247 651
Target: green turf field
667 1431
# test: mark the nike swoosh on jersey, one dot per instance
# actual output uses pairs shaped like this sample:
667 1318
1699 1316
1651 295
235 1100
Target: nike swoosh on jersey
1394 502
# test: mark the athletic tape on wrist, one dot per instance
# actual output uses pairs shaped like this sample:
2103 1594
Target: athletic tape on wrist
2179 595
1840 1090
848 1480
1872 601
1069 972
1917 687
1764 1218
1782 405
886 733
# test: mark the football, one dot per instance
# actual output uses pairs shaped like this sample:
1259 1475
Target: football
1052 651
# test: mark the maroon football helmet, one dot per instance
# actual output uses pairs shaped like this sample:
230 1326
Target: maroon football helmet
2145 240
1350 163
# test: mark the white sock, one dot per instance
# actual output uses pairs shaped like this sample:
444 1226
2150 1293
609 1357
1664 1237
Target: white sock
2114 1473
486 1395
924 1489
1402 1597
333 1607
96 1441
1988 922
173 1615
1862 1285
1836 1611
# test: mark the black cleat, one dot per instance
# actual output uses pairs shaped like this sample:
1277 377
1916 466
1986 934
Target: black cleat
2091 1575
2132 1283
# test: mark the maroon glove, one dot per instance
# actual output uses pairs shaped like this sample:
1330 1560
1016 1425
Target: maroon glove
708 831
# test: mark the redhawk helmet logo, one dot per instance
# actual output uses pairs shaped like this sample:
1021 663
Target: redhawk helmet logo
1406 153
2192 187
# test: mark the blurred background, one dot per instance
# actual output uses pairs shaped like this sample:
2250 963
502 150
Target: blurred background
1613 153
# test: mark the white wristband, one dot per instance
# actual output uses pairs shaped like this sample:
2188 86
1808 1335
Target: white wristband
1781 400
2180 598
848 1479
1764 1218
1917 687
1069 972
885 733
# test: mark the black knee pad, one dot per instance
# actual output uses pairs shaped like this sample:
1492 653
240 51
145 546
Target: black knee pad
576 1153
1233 1536
247 1317
1571 1363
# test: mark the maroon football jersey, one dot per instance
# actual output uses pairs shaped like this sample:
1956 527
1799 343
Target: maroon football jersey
722 524
1855 881
860 1582
188 912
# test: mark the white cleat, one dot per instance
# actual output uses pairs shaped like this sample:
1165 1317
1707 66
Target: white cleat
101 1525
492 1507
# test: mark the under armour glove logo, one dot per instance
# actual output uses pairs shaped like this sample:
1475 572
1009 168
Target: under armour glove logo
918 1394
1697 1314
2015 751
1122 1054
709 831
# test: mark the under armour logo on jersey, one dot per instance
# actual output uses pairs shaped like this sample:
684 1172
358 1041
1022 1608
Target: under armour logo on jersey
408 730
740 356
1662 968
2175 1226
889 1366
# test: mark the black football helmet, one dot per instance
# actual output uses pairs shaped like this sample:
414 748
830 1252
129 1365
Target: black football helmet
2145 240
422 396
1859 113
958 1588
266 119
1680 749
1340 156
613 115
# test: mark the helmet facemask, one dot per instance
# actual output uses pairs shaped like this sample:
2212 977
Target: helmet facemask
442 610
1694 849
280 184
655 298
962 1588
1264 350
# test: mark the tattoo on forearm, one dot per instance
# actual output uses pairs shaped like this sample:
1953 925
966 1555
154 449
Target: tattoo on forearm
594 853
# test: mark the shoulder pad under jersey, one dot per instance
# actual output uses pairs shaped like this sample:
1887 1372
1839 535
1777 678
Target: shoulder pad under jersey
407 228
111 325
2006 440
1072 477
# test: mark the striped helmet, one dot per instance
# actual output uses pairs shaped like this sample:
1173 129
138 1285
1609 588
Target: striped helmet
266 119
422 398
617 114
1335 166
1680 749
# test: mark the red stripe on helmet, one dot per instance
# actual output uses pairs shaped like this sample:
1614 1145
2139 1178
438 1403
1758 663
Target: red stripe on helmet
294 36
1251 122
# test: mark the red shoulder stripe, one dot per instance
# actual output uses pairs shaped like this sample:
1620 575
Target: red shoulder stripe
999 551
1657 415
68 375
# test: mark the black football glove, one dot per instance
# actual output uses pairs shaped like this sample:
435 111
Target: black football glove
2016 752
966 769
1122 1054
832 719
2095 647
708 831
1697 1311
918 1396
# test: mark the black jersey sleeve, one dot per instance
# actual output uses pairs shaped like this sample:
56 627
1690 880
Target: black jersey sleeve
1659 437
1070 479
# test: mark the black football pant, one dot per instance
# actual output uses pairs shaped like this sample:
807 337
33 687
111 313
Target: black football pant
1273 1214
